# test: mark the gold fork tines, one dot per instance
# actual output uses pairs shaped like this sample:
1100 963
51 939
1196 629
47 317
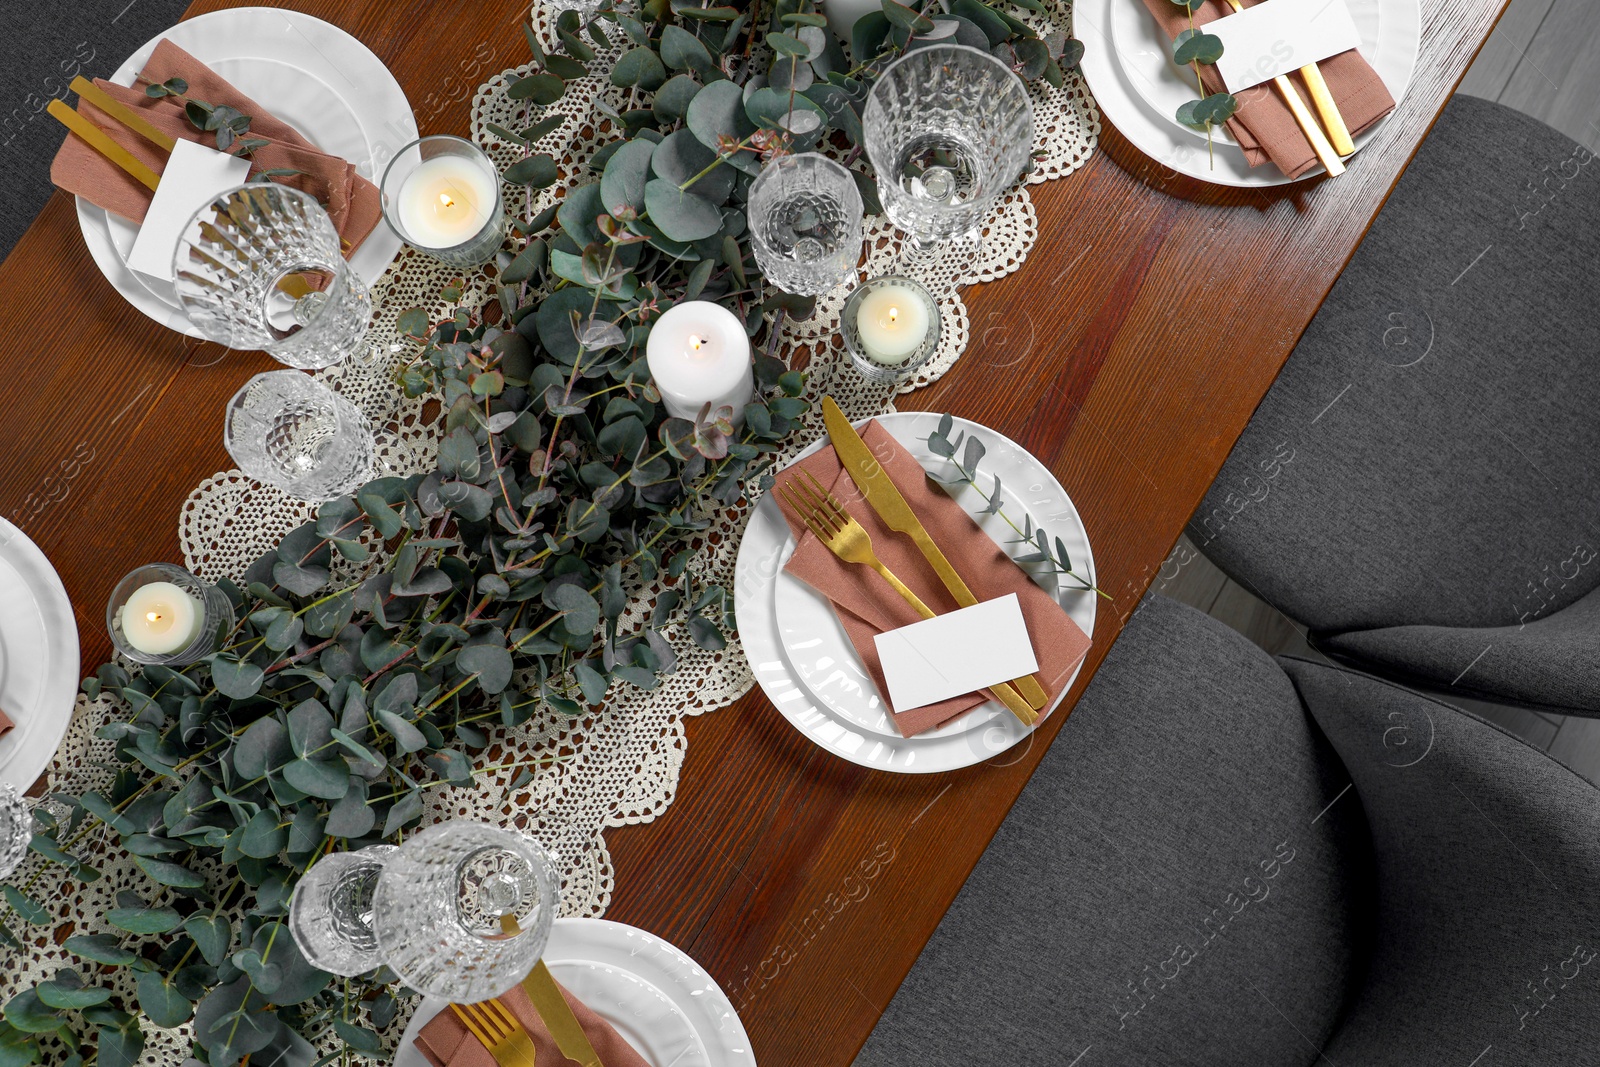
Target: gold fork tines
848 539
498 1031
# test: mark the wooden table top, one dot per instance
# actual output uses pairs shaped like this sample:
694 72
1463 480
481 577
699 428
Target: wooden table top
1128 354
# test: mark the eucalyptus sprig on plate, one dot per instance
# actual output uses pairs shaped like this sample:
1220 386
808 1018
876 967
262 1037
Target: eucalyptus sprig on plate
1043 550
1191 48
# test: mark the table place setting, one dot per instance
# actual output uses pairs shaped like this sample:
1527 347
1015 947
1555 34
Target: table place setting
1253 94
584 425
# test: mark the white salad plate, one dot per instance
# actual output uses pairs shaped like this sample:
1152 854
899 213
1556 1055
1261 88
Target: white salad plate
661 1002
805 663
314 76
1128 64
38 658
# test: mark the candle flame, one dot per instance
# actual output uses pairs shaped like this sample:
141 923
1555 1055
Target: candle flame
695 342
152 616
444 198
894 315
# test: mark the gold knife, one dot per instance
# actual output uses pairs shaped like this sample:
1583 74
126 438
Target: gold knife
553 1008
880 491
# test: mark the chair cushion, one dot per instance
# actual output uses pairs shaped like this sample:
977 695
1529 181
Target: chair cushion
1426 456
1163 891
1552 661
1488 870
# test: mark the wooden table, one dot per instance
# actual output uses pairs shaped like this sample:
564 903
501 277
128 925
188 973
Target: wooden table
1123 355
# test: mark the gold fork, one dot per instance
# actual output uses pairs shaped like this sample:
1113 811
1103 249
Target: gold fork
499 1032
848 539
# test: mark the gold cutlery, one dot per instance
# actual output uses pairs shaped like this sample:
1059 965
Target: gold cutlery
540 985
885 497
848 539
101 142
553 1009
1322 96
1308 123
499 1032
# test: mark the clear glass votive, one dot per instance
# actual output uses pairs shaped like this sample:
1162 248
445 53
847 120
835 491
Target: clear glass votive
263 267
159 613
463 909
288 430
806 223
330 913
890 327
442 194
948 129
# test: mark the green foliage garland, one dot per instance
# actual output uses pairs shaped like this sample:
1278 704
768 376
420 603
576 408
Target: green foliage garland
380 646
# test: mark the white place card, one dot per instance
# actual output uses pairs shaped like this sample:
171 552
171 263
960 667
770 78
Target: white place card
1264 41
194 175
957 653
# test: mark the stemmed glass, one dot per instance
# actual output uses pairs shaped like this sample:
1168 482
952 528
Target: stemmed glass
463 909
290 431
948 129
262 267
805 223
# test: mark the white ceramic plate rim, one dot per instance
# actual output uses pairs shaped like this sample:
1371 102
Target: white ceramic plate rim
375 99
1158 136
26 751
654 962
762 552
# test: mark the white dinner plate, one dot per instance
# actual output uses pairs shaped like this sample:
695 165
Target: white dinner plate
1128 65
805 663
314 76
38 658
659 1000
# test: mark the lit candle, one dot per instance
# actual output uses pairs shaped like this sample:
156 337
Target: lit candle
842 15
698 353
892 322
447 201
161 619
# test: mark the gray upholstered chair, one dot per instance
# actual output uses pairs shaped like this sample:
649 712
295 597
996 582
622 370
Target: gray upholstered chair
1421 486
1233 861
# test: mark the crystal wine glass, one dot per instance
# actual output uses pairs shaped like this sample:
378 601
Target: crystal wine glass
805 223
262 267
463 909
290 431
16 828
948 129
330 913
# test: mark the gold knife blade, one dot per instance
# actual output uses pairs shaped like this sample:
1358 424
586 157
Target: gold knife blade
885 497
540 985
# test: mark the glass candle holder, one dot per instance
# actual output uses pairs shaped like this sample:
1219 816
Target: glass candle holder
288 430
948 129
441 194
162 614
262 267
890 327
463 909
806 223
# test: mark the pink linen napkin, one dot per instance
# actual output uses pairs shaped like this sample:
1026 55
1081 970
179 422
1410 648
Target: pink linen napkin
352 202
1264 126
867 605
447 1043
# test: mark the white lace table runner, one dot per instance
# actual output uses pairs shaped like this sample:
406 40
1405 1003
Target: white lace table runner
621 765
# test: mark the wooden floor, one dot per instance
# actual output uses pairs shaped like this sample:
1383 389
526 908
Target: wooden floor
1544 60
